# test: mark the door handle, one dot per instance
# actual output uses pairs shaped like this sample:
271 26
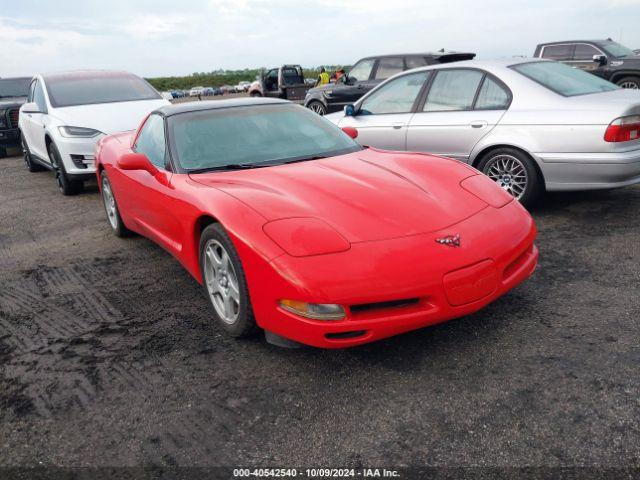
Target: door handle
397 125
478 124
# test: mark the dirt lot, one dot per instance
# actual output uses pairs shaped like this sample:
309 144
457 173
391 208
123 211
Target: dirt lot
108 356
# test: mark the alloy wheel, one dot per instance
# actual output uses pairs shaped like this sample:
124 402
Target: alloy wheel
222 282
56 169
318 108
109 203
629 84
508 172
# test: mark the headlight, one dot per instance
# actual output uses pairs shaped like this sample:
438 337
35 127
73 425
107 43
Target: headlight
487 190
305 236
71 132
316 311
3 118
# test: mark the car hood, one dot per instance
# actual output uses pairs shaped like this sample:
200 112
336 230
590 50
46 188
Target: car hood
108 117
12 101
366 195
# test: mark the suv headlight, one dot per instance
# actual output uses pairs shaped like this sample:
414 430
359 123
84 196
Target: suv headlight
3 118
78 132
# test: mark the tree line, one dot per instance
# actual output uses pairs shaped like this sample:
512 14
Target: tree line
219 78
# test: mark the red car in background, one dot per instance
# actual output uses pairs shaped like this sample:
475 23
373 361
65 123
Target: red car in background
293 227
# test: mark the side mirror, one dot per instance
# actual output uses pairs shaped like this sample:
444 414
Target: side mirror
31 107
351 131
350 111
600 59
136 161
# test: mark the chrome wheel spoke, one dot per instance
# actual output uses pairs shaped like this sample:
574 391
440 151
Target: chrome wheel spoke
509 173
221 281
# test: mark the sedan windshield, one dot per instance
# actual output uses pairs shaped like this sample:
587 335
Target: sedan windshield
67 90
615 49
253 136
14 87
563 79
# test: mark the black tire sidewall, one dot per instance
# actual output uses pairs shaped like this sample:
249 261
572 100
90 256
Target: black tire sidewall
31 166
245 325
635 80
67 186
535 182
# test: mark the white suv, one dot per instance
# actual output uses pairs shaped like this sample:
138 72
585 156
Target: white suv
67 113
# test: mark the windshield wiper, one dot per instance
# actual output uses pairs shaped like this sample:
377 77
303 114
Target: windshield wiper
230 166
296 160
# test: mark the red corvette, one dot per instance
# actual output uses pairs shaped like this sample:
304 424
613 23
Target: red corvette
293 227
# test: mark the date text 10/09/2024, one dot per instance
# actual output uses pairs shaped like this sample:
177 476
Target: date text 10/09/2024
316 473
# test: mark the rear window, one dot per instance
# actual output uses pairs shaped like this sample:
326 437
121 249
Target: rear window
76 89
562 79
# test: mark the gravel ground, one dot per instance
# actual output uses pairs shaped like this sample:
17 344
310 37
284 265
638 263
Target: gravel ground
109 357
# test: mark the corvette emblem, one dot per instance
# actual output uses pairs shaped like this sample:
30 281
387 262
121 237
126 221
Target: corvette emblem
450 240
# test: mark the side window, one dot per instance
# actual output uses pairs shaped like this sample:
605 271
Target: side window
492 96
396 96
38 97
361 71
453 90
415 62
151 141
557 52
388 67
32 86
585 53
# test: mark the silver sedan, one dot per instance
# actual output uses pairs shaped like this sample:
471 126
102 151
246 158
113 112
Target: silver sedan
530 125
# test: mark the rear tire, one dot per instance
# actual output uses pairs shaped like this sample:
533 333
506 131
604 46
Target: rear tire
317 107
225 283
515 172
118 227
65 184
255 94
632 83
32 166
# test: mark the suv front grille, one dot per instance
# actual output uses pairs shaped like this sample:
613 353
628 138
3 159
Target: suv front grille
14 114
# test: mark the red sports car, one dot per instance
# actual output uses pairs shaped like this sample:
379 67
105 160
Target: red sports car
293 227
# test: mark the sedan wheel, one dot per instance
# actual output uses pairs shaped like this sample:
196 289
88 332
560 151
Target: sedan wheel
508 172
222 282
111 208
515 172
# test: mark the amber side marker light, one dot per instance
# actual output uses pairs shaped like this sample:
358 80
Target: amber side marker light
315 311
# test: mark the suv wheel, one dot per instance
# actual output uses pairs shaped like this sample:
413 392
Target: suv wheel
632 83
65 184
515 172
28 159
317 107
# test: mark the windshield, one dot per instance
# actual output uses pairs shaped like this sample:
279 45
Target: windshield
252 136
14 87
68 90
563 79
615 49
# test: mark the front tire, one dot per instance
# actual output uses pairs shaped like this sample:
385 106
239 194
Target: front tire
224 282
632 83
317 107
118 227
65 184
32 166
255 94
515 172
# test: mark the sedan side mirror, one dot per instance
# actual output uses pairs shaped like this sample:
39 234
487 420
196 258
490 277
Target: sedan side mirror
31 107
350 111
136 161
600 59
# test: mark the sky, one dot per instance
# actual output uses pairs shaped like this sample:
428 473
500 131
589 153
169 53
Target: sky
163 38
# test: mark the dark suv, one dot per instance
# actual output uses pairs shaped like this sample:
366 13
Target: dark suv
13 93
605 58
369 72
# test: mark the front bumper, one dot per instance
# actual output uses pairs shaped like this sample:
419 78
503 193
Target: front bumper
78 155
394 286
9 137
590 171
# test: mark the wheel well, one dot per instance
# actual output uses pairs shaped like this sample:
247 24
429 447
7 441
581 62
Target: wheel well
619 76
47 140
490 149
203 222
